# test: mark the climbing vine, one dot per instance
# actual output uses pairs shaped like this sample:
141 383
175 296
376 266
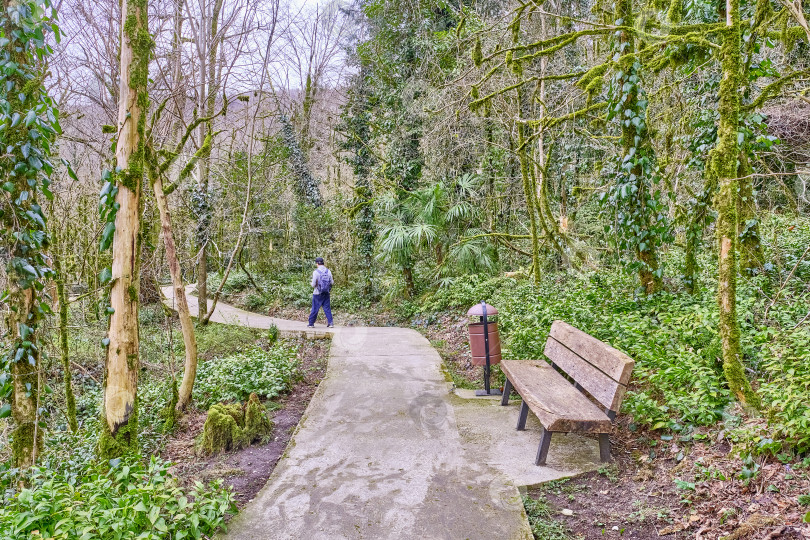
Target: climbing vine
28 125
306 185
357 131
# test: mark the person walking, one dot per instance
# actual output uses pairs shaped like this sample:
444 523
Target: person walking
322 282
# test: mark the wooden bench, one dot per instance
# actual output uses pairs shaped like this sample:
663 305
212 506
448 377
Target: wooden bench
564 394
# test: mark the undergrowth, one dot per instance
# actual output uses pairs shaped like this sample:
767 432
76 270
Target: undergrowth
678 381
542 521
125 499
267 373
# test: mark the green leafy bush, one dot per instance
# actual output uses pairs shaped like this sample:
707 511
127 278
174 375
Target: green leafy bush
678 379
255 301
220 339
237 282
235 377
130 499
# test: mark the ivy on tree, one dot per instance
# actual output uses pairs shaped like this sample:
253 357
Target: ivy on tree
28 125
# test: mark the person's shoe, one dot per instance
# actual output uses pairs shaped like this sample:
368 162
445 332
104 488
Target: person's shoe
310 326
330 325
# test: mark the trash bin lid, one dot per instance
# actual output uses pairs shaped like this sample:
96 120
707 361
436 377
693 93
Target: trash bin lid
478 311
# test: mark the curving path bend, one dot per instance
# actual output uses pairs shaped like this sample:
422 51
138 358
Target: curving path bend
386 450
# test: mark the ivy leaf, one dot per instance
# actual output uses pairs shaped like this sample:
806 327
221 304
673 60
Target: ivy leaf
5 410
105 276
107 236
36 218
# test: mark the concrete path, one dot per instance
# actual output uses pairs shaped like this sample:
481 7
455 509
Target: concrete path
387 450
227 314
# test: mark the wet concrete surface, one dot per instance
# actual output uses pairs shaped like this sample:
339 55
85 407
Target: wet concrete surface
387 449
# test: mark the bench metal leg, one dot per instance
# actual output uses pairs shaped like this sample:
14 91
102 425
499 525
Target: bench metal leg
604 447
524 413
507 389
542 450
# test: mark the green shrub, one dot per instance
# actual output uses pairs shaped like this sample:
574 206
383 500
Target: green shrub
130 499
678 379
255 302
221 339
235 377
238 281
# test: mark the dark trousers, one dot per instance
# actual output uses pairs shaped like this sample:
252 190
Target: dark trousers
320 301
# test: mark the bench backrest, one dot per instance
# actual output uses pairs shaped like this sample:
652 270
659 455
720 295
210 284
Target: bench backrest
598 368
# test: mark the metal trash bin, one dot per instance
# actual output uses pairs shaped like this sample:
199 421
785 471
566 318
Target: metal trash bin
485 343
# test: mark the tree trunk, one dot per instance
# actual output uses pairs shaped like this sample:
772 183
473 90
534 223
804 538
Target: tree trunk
410 284
722 165
530 206
633 140
64 351
23 226
186 325
26 437
211 88
751 256
120 407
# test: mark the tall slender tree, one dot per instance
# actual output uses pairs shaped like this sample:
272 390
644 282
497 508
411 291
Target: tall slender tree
356 129
208 43
722 171
122 197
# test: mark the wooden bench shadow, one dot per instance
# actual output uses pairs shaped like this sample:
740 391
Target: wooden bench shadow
580 391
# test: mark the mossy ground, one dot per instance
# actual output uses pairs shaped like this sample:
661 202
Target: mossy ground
233 426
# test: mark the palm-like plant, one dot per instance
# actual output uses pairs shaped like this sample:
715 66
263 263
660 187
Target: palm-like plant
440 219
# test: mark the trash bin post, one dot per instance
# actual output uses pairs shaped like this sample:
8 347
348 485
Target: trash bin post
487 351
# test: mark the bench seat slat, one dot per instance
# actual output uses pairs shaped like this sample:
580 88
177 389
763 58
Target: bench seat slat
556 403
613 362
606 391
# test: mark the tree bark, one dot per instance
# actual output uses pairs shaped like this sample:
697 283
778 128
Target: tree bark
722 165
186 325
211 87
120 407
26 438
751 256
64 350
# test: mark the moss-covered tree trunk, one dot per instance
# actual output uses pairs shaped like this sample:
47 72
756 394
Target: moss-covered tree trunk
29 125
751 255
64 350
528 190
722 168
119 433
26 438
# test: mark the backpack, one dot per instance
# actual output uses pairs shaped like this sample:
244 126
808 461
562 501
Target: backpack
325 282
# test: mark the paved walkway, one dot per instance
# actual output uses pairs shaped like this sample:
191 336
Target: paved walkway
386 450
228 314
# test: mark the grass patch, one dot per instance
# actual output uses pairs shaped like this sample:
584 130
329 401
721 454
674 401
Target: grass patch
541 518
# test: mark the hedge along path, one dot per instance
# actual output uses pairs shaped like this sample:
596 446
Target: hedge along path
378 453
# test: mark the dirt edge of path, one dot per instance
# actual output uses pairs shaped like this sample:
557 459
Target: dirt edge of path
246 471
